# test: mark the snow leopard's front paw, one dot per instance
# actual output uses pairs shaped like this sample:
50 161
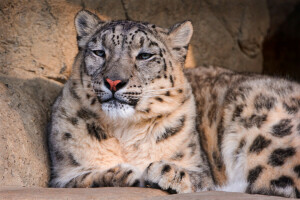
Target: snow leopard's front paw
122 175
168 177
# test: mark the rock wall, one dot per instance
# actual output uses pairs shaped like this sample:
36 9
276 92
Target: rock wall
37 47
39 37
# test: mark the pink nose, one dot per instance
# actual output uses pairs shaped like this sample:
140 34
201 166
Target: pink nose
113 84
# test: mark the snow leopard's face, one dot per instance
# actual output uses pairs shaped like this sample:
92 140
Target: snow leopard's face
133 66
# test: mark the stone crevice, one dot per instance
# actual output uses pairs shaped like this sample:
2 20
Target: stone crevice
125 10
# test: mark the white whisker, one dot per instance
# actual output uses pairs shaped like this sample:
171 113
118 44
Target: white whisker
165 89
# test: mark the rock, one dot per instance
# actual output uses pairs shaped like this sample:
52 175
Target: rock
119 194
25 106
79 193
213 195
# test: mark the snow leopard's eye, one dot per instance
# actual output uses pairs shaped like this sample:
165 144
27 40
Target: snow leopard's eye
144 56
99 53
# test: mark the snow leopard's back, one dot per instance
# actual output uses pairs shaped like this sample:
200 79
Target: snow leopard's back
249 127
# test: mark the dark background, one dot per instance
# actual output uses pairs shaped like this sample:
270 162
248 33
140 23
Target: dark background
281 47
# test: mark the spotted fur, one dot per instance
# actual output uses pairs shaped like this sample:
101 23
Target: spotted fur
254 130
127 117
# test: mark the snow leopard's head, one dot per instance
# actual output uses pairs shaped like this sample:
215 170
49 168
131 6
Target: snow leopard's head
133 67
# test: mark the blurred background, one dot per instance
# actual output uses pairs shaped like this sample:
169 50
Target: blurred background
38 45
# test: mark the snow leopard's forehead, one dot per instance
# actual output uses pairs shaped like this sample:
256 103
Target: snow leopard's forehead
127 25
128 34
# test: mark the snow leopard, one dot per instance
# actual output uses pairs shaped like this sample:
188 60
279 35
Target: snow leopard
130 115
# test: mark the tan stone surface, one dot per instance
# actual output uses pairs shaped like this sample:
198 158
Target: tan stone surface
24 108
79 193
218 196
119 194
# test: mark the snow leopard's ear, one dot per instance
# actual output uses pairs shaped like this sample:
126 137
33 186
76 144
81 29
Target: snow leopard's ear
85 23
180 34
179 37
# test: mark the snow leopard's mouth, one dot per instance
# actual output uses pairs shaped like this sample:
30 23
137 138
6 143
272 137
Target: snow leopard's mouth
116 102
116 108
